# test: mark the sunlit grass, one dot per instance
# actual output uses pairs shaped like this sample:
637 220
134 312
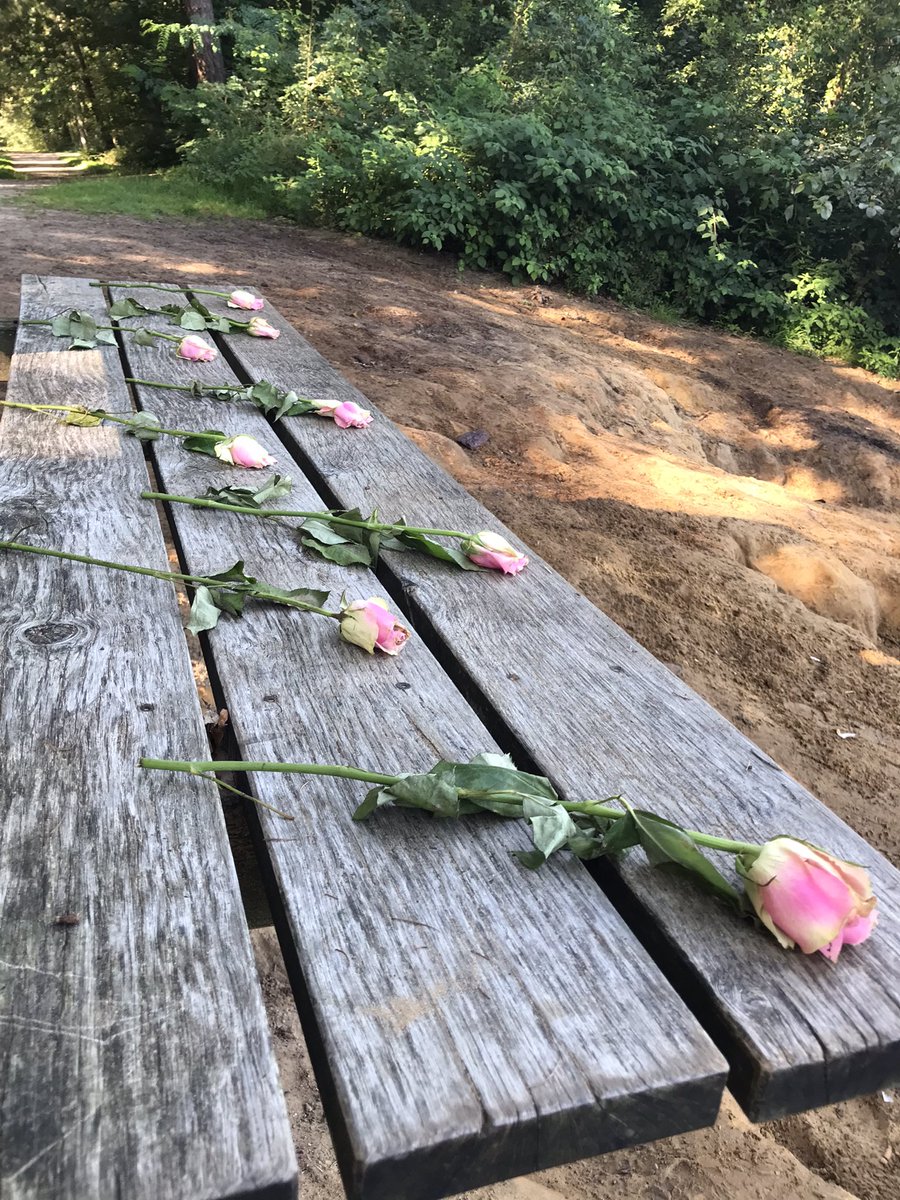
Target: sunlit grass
166 194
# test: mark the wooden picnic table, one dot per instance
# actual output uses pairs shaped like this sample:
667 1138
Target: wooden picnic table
467 1020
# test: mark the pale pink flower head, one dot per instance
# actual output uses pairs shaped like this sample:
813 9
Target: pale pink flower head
806 897
241 299
196 349
369 624
490 550
260 327
244 451
344 413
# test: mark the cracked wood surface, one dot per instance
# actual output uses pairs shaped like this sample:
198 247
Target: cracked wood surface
468 1020
134 1051
599 715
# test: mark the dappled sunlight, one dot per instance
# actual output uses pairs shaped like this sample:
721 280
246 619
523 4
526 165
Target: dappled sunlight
590 466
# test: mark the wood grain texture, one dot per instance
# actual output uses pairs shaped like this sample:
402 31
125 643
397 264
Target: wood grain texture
468 1020
600 715
134 1051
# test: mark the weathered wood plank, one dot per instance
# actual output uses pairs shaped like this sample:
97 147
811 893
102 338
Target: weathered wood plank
134 1052
468 1021
599 714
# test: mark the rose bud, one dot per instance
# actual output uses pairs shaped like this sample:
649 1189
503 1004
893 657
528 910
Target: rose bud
488 549
349 415
806 896
244 451
195 349
260 327
369 624
240 299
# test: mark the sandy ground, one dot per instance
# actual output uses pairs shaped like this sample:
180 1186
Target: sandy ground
734 507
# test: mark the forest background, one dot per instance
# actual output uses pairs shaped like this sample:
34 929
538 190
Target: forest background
729 161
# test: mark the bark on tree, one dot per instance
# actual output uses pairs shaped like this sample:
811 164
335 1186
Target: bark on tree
209 65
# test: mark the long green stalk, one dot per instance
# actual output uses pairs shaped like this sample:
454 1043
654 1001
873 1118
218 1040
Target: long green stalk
320 514
590 807
70 408
173 576
159 287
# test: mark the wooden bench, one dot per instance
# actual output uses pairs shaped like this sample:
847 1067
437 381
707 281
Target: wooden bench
467 1020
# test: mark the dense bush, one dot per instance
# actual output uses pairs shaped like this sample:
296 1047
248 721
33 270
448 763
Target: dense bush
729 163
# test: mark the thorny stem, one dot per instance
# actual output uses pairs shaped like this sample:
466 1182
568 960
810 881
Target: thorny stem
200 502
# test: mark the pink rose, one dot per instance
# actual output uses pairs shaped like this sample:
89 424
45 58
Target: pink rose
195 349
368 623
806 896
344 413
491 550
260 327
246 300
244 451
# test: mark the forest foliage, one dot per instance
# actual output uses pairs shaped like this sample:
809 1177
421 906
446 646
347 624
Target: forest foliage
733 161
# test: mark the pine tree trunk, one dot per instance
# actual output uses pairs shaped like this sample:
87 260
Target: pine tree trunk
209 66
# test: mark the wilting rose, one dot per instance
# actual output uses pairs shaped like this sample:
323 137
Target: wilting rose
369 624
244 451
194 348
488 549
240 299
344 413
806 896
260 327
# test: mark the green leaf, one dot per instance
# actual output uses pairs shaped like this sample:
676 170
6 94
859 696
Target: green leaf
192 320
129 307
265 591
172 310
143 337
205 442
204 612
248 497
433 793
219 324
622 834
368 805
666 843
489 759
343 544
427 545
223 393
106 337
61 325
551 829
278 403
82 344
324 531
145 426
344 553
230 602
234 574
81 416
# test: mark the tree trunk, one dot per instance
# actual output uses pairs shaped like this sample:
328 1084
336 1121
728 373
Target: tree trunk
209 66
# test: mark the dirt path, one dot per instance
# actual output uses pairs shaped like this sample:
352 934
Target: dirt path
40 166
732 506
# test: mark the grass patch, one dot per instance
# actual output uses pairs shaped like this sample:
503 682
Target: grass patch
173 193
